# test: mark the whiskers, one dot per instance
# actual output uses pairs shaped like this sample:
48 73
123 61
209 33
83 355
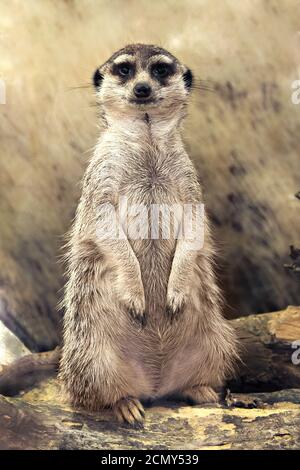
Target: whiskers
200 89
81 87
204 85
204 93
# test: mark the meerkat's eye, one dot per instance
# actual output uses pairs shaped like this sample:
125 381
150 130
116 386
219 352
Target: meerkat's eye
125 69
161 70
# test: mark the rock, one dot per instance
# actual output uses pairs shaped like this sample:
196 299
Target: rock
11 348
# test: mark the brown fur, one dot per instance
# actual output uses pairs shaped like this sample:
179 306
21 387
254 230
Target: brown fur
110 358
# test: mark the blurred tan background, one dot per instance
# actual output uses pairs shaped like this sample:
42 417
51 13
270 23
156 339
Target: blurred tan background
244 138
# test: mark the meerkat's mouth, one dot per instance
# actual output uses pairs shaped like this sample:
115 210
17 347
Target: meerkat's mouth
143 101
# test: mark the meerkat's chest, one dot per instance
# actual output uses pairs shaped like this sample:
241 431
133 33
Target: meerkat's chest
151 180
150 199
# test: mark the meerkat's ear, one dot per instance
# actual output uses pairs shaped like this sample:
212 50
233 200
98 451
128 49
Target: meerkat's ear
97 79
188 78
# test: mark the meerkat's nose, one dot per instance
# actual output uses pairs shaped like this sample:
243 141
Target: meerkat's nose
142 90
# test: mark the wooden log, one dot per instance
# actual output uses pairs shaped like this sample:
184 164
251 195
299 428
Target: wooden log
39 420
27 371
270 351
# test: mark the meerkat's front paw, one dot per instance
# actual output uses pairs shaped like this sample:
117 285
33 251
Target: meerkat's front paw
129 410
138 314
136 308
175 303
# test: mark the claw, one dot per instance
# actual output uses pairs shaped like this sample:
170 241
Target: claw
138 317
174 309
130 411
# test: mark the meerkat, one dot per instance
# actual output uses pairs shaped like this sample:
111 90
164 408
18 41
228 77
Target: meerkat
143 317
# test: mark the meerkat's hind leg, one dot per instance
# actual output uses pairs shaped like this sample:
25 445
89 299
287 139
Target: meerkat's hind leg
129 410
200 394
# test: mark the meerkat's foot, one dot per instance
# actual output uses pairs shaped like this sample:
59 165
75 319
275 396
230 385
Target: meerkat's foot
200 394
129 410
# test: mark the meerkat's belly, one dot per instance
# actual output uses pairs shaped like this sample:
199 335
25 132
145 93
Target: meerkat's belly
155 256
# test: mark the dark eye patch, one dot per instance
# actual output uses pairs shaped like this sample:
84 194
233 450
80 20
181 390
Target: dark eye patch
162 70
124 70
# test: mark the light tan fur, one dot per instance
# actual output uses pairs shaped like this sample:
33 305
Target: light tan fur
142 317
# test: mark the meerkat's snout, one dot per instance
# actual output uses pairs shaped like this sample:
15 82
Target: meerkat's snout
142 90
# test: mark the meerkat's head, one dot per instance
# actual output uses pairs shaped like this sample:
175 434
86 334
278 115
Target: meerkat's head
142 79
